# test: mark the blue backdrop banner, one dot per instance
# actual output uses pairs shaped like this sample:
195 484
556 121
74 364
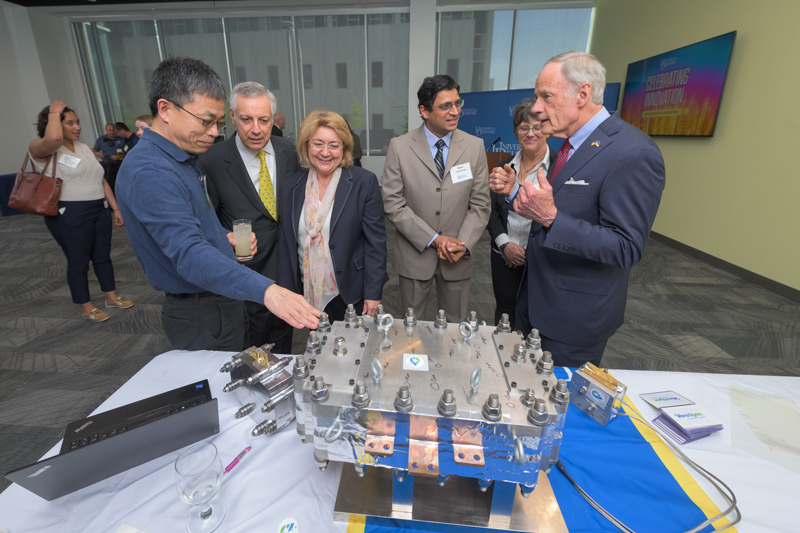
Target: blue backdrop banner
489 115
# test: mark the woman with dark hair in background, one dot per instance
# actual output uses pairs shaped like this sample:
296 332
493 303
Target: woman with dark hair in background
508 230
83 225
333 237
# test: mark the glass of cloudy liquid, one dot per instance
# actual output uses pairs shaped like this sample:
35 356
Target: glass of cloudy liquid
242 231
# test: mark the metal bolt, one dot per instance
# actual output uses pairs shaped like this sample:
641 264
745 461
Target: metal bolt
447 403
410 320
528 398
472 319
324 324
519 353
504 325
441 320
537 414
403 402
350 313
560 393
491 409
378 313
312 345
360 395
319 391
533 341
300 369
545 364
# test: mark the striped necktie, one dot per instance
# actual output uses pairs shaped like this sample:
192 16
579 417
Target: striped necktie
561 159
439 159
265 191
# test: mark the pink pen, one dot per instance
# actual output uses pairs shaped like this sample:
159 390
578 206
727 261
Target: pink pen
236 461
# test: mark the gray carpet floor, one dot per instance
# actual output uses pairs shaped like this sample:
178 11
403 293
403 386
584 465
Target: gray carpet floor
683 315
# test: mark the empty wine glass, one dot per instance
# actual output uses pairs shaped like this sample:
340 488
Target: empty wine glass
198 471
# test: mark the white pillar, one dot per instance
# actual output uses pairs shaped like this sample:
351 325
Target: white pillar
421 53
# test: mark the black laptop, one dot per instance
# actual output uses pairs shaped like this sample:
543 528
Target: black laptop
114 441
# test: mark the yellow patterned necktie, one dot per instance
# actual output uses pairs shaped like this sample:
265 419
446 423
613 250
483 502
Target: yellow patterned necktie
265 187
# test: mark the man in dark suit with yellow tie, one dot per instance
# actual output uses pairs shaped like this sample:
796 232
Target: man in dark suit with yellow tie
244 181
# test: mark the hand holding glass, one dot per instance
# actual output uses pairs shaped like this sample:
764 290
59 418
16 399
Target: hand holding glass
198 471
242 231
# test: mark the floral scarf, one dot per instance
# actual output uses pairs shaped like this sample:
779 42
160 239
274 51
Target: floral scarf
318 279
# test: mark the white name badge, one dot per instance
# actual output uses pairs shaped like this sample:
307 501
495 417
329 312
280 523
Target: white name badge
70 160
460 173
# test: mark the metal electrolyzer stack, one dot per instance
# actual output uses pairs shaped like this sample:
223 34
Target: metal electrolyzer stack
264 387
448 403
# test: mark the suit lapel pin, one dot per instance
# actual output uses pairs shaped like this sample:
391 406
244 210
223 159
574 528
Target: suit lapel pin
596 143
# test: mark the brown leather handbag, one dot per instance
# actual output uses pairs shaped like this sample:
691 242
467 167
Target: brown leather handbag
36 193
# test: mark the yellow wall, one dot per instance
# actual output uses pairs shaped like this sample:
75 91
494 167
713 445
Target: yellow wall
735 195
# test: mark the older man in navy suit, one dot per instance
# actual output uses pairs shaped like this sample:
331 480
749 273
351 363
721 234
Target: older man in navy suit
591 213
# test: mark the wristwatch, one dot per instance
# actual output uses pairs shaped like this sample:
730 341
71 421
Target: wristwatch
503 246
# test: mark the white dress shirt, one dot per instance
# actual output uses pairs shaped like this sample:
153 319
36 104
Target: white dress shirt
253 164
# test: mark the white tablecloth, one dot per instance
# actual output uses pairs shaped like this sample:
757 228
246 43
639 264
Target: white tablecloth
280 480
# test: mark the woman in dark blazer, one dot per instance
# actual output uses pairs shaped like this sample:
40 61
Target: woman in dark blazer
332 236
510 238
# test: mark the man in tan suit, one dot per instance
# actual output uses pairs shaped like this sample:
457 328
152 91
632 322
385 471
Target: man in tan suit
436 193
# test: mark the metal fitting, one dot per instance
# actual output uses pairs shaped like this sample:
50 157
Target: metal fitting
504 325
277 398
245 410
313 346
560 392
447 404
519 353
528 398
235 362
472 319
339 347
360 469
324 325
491 409
360 322
300 369
319 391
268 427
441 320
411 319
350 314
360 395
379 313
403 402
533 341
537 414
545 364
233 385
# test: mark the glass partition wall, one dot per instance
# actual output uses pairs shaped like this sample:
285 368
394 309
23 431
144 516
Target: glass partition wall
356 64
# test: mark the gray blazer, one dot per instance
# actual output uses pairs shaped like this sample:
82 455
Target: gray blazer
419 205
234 196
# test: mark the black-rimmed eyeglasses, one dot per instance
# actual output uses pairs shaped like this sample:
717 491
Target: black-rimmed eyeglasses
206 123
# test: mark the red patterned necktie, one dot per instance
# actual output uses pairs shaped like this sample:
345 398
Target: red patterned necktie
561 159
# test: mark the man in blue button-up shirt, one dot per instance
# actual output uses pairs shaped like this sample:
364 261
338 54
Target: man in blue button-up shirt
175 233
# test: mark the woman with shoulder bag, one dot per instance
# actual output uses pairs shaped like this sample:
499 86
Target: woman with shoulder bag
83 225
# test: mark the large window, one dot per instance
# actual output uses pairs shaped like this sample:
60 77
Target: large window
498 50
306 61
118 61
354 64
